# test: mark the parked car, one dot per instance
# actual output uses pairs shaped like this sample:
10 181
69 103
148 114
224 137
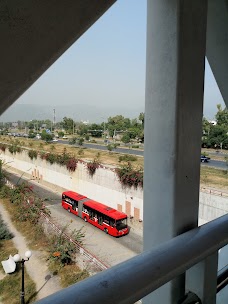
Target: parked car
65 137
204 159
55 140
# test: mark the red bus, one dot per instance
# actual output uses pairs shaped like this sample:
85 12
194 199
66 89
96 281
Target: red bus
109 220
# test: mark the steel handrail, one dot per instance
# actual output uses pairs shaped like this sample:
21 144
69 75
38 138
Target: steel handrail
222 279
132 280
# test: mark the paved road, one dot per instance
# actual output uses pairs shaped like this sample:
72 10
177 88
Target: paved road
213 163
113 252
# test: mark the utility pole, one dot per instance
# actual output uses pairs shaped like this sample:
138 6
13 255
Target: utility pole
53 117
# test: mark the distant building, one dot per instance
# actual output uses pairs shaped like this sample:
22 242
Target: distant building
44 126
14 124
85 122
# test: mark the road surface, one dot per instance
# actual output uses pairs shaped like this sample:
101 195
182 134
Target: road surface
109 249
212 163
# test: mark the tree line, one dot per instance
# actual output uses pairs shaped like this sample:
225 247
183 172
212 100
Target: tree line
214 135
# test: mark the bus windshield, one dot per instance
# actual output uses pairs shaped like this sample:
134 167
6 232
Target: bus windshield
121 224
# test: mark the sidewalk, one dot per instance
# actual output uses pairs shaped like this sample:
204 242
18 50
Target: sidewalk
46 283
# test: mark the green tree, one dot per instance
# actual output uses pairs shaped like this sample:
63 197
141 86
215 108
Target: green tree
222 116
110 148
141 118
80 141
125 138
60 134
68 124
46 136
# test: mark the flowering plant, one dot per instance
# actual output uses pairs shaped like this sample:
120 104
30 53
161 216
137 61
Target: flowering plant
128 176
92 166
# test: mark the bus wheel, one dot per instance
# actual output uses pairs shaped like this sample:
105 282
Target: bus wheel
106 231
68 210
85 219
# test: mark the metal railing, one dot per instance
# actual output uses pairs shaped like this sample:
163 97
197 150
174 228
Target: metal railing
132 280
81 249
214 192
88 256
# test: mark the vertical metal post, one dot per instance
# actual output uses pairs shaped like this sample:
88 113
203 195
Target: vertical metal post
176 40
22 281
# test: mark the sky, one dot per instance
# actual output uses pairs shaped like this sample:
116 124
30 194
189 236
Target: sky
106 66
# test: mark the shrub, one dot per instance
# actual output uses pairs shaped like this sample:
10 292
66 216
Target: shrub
3 147
52 148
5 234
28 205
72 164
80 141
110 147
29 209
73 141
4 191
92 167
42 155
129 177
135 146
61 249
13 149
32 154
127 158
81 152
63 159
51 158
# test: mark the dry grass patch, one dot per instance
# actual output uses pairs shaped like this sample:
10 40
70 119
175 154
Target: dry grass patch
214 178
10 285
69 274
33 233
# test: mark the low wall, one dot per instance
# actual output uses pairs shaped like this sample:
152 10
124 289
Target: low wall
212 206
104 186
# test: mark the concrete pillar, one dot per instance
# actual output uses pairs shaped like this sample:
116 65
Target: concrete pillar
217 43
176 40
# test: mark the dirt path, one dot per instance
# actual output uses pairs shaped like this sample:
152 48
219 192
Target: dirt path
46 283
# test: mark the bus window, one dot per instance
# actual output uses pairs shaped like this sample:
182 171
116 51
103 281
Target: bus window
121 224
71 201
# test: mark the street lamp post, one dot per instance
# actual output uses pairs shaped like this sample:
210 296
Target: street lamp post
18 259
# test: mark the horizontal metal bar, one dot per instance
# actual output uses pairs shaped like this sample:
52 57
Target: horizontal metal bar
130 281
222 279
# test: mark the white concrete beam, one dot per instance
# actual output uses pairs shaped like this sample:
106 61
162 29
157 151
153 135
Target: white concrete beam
176 42
34 34
217 43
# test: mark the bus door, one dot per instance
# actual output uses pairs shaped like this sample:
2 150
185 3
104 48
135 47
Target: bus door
80 206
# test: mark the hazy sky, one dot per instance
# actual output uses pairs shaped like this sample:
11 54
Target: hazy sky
106 65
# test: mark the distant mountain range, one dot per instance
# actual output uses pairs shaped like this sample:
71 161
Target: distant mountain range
77 112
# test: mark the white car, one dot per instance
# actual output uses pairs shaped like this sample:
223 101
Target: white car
65 137
55 140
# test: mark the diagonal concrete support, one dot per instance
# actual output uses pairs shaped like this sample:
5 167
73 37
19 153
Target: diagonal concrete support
176 42
34 34
217 43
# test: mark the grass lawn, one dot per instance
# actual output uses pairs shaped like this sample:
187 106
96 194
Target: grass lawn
10 284
214 178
